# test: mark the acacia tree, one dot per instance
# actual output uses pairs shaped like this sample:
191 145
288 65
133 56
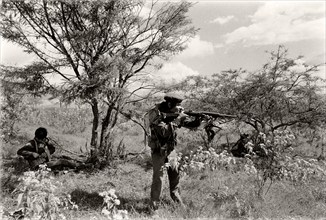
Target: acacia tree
98 48
285 92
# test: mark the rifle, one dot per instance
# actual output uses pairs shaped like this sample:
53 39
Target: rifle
214 115
203 115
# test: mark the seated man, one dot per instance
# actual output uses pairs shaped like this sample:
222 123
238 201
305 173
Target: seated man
239 149
39 150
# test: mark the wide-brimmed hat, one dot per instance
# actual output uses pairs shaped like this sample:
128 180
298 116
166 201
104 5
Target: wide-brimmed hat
173 97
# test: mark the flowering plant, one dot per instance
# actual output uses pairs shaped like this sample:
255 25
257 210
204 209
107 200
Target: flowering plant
110 209
210 159
269 158
36 198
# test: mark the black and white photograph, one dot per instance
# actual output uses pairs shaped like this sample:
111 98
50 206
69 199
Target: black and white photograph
163 109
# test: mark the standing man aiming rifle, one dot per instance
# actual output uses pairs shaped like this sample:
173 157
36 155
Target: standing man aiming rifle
162 141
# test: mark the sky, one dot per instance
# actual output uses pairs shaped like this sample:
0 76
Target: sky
237 34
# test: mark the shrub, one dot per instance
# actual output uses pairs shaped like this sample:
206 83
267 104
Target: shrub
110 209
36 198
278 164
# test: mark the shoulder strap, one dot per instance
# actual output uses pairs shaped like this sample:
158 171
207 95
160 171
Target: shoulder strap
46 150
36 145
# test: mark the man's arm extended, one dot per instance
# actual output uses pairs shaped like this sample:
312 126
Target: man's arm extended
28 151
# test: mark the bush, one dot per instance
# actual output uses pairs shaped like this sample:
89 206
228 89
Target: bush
276 165
110 209
37 199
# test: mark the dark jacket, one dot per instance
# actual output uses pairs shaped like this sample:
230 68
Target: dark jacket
43 149
163 129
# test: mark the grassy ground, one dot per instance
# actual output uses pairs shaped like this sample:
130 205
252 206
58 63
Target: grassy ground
218 194
215 195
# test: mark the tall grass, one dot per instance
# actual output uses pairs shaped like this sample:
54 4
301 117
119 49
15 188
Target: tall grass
69 120
217 194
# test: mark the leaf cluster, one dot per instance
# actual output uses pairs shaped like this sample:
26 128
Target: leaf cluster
98 48
285 92
36 196
88 36
17 84
26 80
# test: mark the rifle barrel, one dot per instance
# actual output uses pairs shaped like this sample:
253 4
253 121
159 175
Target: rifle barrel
200 113
213 114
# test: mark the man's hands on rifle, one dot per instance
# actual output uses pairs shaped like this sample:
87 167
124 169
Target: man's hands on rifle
177 109
35 155
206 117
180 119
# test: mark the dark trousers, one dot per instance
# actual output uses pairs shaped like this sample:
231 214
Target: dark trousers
173 175
54 164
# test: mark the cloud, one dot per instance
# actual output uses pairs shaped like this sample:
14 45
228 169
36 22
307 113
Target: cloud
281 22
219 45
197 48
144 11
174 72
222 20
14 55
299 66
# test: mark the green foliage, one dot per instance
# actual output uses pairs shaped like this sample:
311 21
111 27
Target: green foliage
217 194
27 80
281 164
18 85
37 199
209 159
11 108
106 45
278 163
13 105
284 92
69 120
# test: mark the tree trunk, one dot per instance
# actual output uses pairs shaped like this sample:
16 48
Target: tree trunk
95 126
104 130
108 123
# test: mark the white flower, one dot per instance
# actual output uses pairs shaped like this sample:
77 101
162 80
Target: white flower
123 213
75 207
117 202
29 174
42 166
117 216
103 194
105 212
111 191
61 216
